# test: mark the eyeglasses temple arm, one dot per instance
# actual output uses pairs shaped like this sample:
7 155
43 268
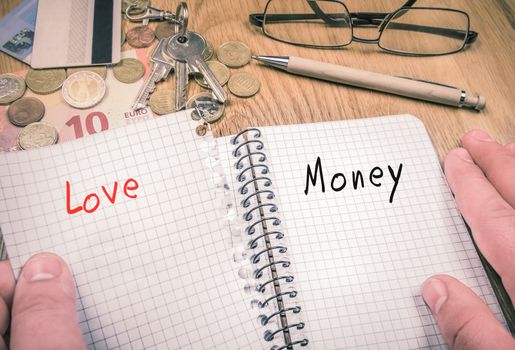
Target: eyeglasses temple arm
451 33
257 19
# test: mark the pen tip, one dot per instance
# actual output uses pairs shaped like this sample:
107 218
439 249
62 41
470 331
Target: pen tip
254 57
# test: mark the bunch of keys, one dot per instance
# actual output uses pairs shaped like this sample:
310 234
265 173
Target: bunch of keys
182 53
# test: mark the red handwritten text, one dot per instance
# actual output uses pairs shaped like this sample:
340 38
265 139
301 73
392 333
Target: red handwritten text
92 201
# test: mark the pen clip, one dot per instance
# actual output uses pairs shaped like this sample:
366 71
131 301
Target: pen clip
430 82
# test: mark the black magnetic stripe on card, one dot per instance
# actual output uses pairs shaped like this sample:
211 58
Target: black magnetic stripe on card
102 50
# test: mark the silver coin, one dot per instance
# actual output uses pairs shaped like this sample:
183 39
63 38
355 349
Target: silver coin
206 107
37 135
12 87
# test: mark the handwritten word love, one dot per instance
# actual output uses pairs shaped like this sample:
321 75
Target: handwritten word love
92 201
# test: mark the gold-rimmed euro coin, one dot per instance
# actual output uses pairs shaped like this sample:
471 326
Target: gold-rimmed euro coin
37 135
45 81
84 89
162 102
12 87
244 84
100 70
129 70
207 105
234 54
221 72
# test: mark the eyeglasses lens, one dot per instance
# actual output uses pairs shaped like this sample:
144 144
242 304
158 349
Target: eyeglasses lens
425 31
308 22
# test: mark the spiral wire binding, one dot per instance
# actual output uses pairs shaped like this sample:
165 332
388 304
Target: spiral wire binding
256 190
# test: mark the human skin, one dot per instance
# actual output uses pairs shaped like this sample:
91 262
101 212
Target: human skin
482 177
41 306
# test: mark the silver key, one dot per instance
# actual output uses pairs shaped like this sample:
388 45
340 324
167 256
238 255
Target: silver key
189 47
181 85
161 67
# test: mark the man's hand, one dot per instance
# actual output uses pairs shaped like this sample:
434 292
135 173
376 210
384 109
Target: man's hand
43 315
482 177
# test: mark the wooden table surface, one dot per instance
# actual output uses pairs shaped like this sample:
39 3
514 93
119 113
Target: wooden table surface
487 67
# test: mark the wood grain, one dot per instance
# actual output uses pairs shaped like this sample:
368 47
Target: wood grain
487 67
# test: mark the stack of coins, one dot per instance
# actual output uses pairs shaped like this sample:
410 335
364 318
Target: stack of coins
235 54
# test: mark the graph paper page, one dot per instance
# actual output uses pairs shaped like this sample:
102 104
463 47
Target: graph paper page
359 260
153 271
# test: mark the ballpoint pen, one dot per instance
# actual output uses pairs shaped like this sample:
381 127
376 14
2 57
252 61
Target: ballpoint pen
409 87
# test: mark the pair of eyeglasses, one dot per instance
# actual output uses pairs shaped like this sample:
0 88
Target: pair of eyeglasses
413 31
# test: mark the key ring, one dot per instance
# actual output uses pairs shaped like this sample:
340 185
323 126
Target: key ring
182 22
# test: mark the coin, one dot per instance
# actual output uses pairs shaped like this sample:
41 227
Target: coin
12 87
141 36
210 109
165 29
122 38
162 102
220 71
201 130
129 70
84 89
234 54
208 52
137 6
100 70
25 111
244 84
45 81
37 135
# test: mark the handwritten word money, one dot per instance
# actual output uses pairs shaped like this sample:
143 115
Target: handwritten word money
339 180
92 201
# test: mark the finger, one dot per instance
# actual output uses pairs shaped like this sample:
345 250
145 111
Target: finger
465 321
497 161
43 314
6 294
6 282
4 317
490 217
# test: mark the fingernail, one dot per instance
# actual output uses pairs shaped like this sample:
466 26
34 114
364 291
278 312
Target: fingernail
464 155
480 135
42 267
434 293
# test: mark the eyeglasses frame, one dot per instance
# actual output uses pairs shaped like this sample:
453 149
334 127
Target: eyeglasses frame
258 19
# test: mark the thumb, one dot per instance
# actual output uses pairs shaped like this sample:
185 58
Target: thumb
465 321
44 314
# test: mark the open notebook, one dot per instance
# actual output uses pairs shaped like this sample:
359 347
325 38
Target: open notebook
233 243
